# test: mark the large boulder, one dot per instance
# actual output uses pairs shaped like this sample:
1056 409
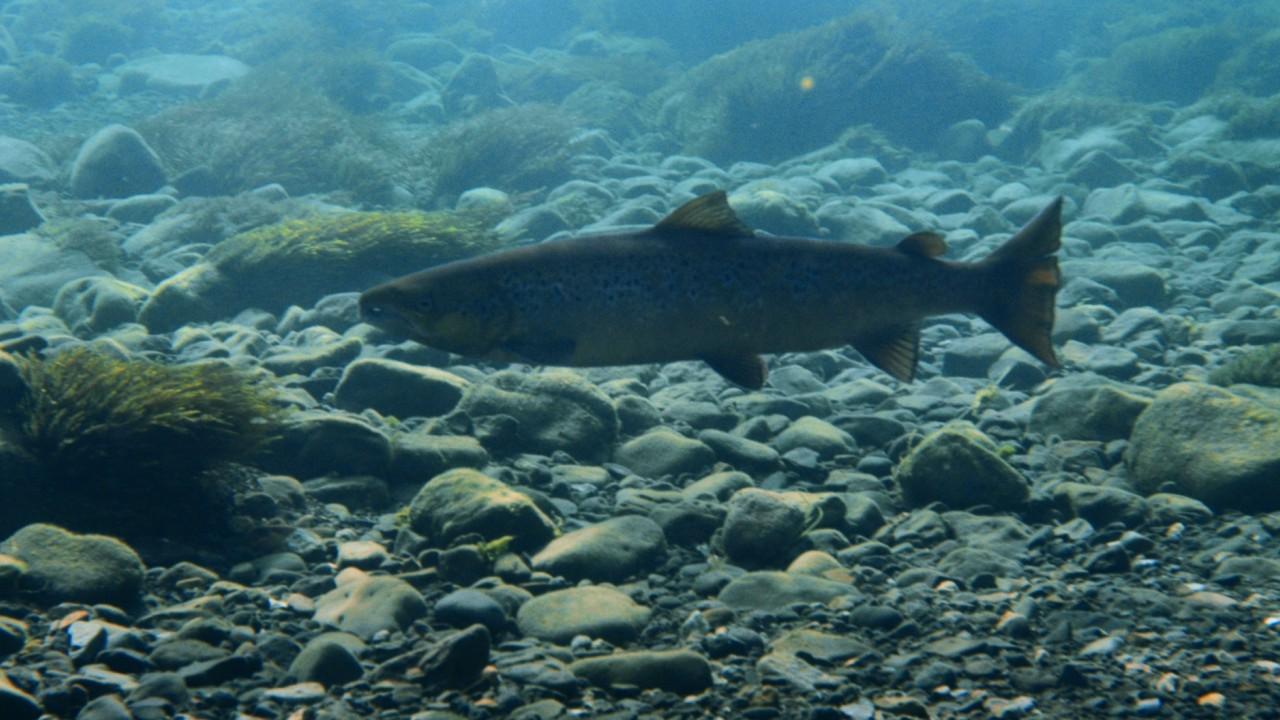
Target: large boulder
1211 444
961 467
463 501
62 566
552 410
115 162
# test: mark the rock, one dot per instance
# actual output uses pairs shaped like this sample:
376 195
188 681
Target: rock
65 567
179 74
773 212
115 162
13 634
1134 284
457 661
1255 570
683 672
1101 505
329 659
826 648
662 452
32 269
363 554
610 551
355 492
1168 508
16 704
418 456
852 173
594 611
636 414
91 306
368 605
968 562
1210 444
773 590
553 410
106 707
314 443
141 209
397 388
1098 411
973 355
467 607
18 213
740 452
815 434
473 88
22 162
958 465
763 527
465 501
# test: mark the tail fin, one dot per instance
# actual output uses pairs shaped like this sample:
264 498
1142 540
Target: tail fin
1022 279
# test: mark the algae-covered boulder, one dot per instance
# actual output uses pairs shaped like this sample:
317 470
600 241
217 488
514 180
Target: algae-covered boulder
299 261
795 92
552 410
465 501
1219 447
65 567
961 467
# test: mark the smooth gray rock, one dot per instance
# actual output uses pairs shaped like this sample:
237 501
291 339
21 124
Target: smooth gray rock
33 269
740 452
661 452
397 388
18 212
141 209
553 410
466 607
315 443
967 562
763 527
1101 505
368 605
683 672
814 434
22 162
115 162
773 590
419 456
610 551
329 659
65 567
1096 411
594 611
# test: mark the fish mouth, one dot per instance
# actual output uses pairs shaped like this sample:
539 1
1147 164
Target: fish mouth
385 317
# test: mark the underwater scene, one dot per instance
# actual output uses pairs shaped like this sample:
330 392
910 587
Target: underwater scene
551 359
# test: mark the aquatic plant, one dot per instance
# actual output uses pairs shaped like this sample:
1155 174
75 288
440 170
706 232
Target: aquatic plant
789 94
269 127
1259 366
89 417
1177 64
514 149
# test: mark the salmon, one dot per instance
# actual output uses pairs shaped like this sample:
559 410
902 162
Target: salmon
702 285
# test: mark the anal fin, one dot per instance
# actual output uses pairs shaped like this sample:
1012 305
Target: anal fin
745 369
894 351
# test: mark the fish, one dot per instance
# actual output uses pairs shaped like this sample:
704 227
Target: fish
703 285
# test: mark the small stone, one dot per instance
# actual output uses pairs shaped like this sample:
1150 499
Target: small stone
677 671
303 693
363 554
369 605
329 659
610 551
662 452
457 661
466 607
772 590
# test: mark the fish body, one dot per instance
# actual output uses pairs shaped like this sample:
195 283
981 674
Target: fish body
702 285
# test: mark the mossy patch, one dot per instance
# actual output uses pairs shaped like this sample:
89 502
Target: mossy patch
1259 366
513 149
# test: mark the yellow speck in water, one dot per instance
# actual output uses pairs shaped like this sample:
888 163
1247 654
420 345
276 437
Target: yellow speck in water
806 83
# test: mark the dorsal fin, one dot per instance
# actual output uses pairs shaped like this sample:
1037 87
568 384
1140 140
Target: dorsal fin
708 213
923 244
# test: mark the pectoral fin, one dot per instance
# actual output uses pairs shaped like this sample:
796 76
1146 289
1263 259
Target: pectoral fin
893 351
745 369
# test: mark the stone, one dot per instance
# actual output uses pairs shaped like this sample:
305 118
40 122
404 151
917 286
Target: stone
397 388
329 659
820 436
457 661
115 162
419 456
93 305
850 173
1101 505
18 212
22 162
474 87
463 501
774 590
314 443
355 492
467 607
683 672
179 73
141 209
16 704
742 453
105 707
369 605
958 465
553 410
1210 444
610 551
1099 411
968 562
773 212
65 567
32 269
661 452
763 527
363 554
594 611
826 648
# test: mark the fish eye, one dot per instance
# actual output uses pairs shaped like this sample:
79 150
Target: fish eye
425 304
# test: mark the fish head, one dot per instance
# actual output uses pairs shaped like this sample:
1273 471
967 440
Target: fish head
442 310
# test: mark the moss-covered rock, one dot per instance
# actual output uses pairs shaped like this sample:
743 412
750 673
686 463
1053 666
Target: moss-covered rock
750 102
299 261
1259 366
1216 446
62 566
463 501
960 466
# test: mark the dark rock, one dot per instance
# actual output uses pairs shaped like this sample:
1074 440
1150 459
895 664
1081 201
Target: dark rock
329 659
63 566
610 551
115 162
457 661
678 671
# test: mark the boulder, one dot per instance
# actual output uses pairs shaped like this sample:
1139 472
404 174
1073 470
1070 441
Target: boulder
115 162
